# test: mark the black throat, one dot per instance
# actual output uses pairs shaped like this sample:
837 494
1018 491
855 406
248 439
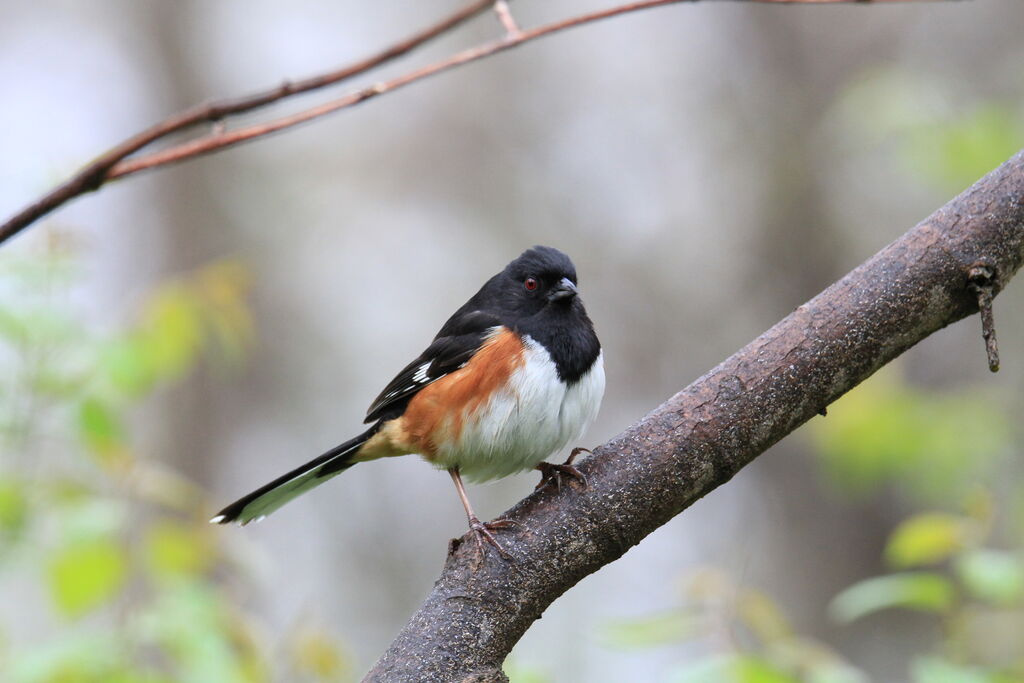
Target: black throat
567 334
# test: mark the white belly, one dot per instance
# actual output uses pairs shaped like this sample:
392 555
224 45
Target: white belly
519 427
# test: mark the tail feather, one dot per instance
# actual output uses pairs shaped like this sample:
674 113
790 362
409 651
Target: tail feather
270 497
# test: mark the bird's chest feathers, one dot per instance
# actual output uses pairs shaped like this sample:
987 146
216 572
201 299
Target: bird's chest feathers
531 417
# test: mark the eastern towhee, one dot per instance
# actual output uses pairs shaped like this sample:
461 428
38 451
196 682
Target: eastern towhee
514 376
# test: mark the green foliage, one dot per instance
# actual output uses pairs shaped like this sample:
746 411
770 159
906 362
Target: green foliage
732 669
925 449
183 320
84 576
658 629
992 576
939 449
937 670
100 429
174 550
84 657
13 511
936 137
518 672
317 654
192 624
930 446
760 645
120 545
927 538
922 591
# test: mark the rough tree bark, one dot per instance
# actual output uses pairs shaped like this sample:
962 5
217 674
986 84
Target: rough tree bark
932 276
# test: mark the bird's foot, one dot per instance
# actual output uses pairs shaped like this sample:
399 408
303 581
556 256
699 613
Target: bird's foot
482 532
553 473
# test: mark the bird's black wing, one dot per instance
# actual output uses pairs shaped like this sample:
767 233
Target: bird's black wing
454 345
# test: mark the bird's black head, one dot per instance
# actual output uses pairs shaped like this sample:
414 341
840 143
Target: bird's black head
542 279
536 295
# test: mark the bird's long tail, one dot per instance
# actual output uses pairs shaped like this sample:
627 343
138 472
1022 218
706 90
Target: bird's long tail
266 499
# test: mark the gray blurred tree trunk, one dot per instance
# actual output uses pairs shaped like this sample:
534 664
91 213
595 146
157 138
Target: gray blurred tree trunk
195 232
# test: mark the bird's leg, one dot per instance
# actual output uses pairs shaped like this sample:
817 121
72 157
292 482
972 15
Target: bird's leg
554 473
481 530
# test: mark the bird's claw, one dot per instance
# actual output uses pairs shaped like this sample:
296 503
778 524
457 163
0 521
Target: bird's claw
482 532
554 473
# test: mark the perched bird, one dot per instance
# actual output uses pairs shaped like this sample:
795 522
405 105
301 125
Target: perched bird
512 377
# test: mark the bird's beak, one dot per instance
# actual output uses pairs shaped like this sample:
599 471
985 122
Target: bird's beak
564 290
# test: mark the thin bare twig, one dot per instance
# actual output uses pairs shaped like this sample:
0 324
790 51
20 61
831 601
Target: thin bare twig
95 174
981 279
506 18
114 163
212 143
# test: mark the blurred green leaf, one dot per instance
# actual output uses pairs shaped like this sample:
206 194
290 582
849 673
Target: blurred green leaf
173 332
84 575
180 625
935 670
979 506
188 621
814 662
101 430
126 363
992 576
92 656
228 330
204 312
223 287
317 654
920 591
934 446
957 151
518 672
886 103
12 327
762 616
708 583
85 516
926 538
757 670
13 508
173 549
48 326
57 383
836 672
653 631
935 135
732 669
56 268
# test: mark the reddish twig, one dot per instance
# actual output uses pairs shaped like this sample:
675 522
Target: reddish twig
506 18
212 143
115 164
95 174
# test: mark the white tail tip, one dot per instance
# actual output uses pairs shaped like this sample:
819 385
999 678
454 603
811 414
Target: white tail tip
219 519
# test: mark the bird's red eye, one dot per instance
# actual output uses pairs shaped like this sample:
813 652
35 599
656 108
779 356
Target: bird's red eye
530 284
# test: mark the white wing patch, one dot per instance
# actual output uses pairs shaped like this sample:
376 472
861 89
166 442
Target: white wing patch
421 373
419 379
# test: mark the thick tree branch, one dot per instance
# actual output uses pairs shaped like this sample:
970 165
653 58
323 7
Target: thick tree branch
114 163
702 436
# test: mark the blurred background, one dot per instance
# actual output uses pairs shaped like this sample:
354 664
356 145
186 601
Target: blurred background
184 336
